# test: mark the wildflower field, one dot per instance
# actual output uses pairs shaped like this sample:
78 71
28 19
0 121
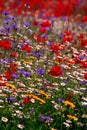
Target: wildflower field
43 65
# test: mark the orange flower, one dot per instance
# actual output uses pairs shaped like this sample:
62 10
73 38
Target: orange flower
35 97
72 117
69 103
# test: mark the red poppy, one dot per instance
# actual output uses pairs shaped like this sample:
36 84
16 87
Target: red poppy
5 44
42 30
14 54
55 48
26 48
56 71
85 76
13 65
26 100
12 70
45 24
7 75
81 35
67 39
84 42
84 18
67 32
84 64
35 23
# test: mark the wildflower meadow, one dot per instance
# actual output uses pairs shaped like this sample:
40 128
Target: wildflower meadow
43 64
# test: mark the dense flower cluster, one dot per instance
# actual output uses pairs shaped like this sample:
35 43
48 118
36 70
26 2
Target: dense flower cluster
43 65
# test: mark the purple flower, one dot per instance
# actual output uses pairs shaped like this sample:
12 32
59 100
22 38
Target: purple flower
50 44
61 35
27 74
81 57
6 13
15 76
43 87
44 35
48 118
27 24
9 60
64 18
8 27
40 71
38 54
84 82
42 118
60 99
20 71
11 99
15 27
6 21
32 53
11 17
24 73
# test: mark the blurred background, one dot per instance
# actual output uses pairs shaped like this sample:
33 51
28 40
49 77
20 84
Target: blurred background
48 7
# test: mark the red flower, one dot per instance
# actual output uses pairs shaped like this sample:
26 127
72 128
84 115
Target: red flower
69 39
35 23
5 44
13 65
81 35
45 24
12 70
2 84
84 64
55 48
42 30
84 18
26 48
59 59
1 44
84 42
14 54
85 76
7 75
56 71
26 100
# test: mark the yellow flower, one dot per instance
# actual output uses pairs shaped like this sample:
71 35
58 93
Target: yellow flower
47 96
72 117
69 103
26 62
10 85
56 62
32 57
35 97
63 109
